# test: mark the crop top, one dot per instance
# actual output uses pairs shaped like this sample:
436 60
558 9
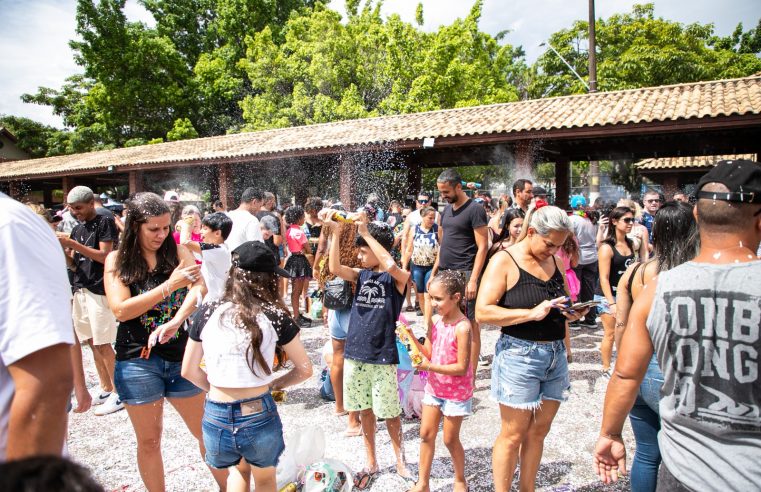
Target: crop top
225 345
529 292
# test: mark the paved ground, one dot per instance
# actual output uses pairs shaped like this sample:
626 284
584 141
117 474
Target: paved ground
107 444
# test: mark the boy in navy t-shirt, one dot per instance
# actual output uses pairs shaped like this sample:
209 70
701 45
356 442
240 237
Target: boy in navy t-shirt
370 384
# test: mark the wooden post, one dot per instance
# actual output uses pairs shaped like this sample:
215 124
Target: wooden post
136 182
562 182
414 179
347 187
67 183
47 196
226 185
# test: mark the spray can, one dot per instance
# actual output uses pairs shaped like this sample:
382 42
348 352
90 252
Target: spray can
465 183
340 216
405 335
289 487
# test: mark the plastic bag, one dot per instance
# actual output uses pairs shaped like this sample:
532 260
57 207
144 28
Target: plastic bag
302 448
328 475
316 311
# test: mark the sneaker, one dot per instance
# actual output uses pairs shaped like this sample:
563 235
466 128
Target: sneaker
419 312
111 405
606 373
575 326
585 323
100 399
304 321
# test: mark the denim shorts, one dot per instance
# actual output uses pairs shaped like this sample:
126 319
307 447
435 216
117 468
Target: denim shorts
604 307
450 408
140 381
228 435
524 373
338 323
421 275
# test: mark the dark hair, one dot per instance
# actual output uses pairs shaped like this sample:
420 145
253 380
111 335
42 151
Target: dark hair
251 194
175 211
268 195
252 293
294 214
451 177
520 184
381 232
675 235
218 204
616 214
453 281
130 263
507 218
44 473
219 221
313 204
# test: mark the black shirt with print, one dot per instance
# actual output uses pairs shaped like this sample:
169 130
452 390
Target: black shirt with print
88 273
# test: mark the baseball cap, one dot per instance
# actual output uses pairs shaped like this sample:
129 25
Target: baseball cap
255 256
171 196
79 194
741 177
539 191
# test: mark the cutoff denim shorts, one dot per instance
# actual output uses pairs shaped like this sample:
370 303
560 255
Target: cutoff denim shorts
338 322
229 435
139 381
450 408
604 307
524 373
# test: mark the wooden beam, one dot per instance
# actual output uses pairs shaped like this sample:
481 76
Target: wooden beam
226 186
136 181
67 183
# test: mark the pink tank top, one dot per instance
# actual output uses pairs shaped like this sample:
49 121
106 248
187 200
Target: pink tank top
444 352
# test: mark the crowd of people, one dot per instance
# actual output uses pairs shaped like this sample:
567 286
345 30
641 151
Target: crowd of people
204 311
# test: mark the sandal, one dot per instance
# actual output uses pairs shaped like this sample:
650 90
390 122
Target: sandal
364 479
409 309
353 432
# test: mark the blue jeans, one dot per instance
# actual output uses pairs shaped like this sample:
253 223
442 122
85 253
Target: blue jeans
249 429
421 275
646 423
141 381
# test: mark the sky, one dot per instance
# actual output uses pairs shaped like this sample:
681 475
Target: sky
34 34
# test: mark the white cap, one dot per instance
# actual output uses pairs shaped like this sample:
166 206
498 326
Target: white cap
171 196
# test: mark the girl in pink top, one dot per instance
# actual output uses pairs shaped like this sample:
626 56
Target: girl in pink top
449 392
297 265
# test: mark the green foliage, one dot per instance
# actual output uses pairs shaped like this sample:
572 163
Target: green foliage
34 138
182 130
419 14
638 50
328 70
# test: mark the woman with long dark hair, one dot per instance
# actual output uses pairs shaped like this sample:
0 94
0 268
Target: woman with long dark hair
524 292
675 241
152 286
241 338
615 255
511 226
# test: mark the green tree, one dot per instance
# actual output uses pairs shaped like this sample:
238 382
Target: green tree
182 130
34 138
638 50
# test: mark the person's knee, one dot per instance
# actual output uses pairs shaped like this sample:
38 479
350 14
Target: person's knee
451 440
104 349
149 444
537 432
511 439
428 435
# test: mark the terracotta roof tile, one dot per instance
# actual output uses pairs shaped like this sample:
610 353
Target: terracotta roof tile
668 103
688 162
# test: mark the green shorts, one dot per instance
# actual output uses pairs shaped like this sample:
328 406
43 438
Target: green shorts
371 386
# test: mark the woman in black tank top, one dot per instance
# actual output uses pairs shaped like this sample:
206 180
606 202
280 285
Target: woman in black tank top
615 255
152 286
524 291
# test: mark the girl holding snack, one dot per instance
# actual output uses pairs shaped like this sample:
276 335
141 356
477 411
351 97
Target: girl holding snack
449 391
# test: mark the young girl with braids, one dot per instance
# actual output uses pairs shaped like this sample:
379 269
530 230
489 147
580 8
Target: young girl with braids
237 338
449 391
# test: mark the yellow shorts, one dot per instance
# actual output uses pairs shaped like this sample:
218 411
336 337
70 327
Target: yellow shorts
371 386
93 318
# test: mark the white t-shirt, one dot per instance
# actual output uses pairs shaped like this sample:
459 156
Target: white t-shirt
245 228
414 218
215 268
35 296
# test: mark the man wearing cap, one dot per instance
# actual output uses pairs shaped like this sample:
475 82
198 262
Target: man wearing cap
586 271
91 240
245 224
702 319
523 192
539 193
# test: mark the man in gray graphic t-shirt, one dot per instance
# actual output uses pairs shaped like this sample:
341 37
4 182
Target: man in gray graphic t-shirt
703 320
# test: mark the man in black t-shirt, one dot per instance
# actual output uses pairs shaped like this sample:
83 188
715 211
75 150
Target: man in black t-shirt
463 244
91 240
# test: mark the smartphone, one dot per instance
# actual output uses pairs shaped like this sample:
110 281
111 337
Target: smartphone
581 305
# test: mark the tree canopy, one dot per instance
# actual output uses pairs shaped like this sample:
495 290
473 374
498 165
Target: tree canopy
210 67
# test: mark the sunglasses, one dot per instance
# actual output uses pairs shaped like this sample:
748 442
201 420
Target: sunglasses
628 220
423 201
654 200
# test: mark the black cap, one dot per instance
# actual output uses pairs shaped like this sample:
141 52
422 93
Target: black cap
255 256
741 177
539 191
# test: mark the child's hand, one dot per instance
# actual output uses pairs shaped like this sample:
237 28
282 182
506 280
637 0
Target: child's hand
361 221
326 215
423 363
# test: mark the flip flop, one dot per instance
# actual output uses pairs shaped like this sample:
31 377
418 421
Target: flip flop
364 479
353 432
340 414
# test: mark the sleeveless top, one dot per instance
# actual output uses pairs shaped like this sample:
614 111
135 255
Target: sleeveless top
529 292
132 335
618 265
425 246
444 352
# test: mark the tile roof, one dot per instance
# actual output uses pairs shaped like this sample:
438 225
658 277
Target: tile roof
683 163
602 109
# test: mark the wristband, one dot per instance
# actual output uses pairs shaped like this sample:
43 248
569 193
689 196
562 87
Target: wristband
612 437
